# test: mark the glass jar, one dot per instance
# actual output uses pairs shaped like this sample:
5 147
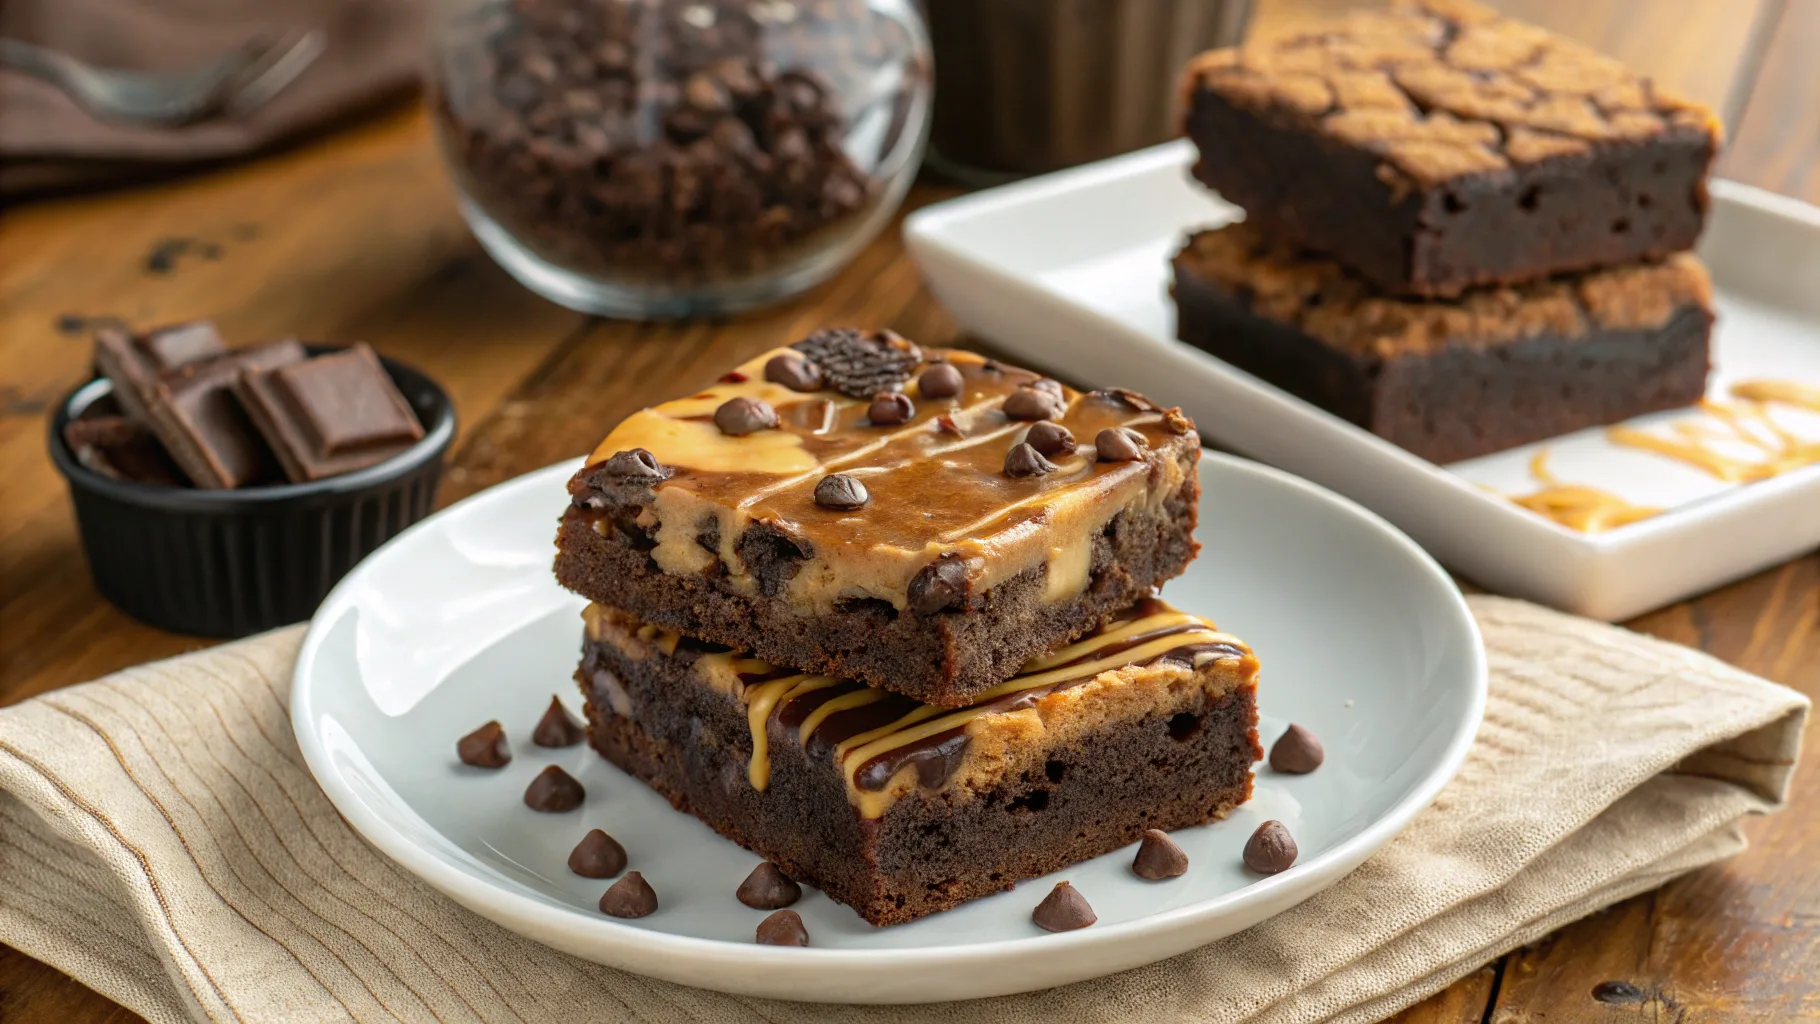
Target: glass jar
668 158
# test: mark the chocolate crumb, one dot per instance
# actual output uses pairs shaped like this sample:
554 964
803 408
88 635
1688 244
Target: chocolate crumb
557 729
598 855
485 747
793 372
740 416
784 928
1050 439
1296 752
1270 849
940 381
890 408
1119 444
1033 403
1159 857
767 888
554 791
940 585
1063 910
631 896
1024 460
841 492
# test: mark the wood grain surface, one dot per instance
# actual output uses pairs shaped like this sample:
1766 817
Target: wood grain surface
356 237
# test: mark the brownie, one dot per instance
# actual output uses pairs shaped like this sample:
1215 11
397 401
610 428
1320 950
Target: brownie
900 809
1450 379
924 521
1438 145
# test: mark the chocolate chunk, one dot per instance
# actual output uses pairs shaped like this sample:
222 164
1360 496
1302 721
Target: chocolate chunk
741 416
485 747
841 492
1270 849
1024 460
766 888
1296 752
1119 444
1050 439
329 415
784 928
860 364
557 729
940 585
1063 910
554 791
598 855
171 348
940 381
631 896
121 448
1030 403
1129 399
637 465
890 408
1159 857
793 372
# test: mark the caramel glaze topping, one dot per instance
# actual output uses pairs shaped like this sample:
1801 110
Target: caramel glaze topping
885 743
936 482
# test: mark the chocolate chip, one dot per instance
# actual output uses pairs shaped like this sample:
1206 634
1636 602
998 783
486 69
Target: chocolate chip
1029 403
793 372
860 364
1129 399
1297 752
485 747
889 408
940 381
1024 460
637 464
631 896
1159 857
1053 387
557 729
940 585
766 888
1119 444
1619 992
598 855
841 492
741 416
1050 438
784 928
1063 910
554 791
1270 849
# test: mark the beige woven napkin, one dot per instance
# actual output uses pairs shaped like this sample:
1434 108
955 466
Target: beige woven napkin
161 840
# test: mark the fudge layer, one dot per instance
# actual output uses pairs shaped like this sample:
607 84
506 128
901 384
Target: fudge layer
1439 145
1449 380
967 556
900 809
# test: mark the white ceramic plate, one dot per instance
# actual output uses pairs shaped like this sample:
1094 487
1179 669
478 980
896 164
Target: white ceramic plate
1362 638
1071 272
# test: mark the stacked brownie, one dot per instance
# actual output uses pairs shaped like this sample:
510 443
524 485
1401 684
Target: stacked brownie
1461 232
882 615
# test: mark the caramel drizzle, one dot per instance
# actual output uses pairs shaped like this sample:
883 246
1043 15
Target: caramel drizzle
1577 506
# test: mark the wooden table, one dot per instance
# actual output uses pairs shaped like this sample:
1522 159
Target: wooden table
356 236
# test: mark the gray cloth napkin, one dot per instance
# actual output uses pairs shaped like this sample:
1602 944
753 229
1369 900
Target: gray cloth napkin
161 840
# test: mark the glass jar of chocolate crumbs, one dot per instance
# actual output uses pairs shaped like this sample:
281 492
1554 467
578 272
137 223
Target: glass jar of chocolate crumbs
669 158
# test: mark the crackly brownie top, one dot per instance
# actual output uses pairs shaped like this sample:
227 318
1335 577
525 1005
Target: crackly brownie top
1139 663
1446 88
855 465
1324 300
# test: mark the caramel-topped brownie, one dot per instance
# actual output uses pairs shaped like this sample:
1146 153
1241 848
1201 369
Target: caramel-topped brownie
925 521
1438 145
900 809
1450 379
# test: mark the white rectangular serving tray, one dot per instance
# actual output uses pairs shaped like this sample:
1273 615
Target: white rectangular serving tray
1070 272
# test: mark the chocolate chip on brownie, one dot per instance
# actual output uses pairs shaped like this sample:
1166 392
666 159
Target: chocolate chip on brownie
1050 438
940 381
1024 460
1063 910
740 416
1118 444
485 747
1033 403
940 585
793 372
890 408
766 888
841 492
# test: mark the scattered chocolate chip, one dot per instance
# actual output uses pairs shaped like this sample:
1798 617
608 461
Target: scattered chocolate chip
889 408
557 729
793 372
554 791
637 464
1270 849
1024 460
598 855
733 377
1029 403
1119 444
945 423
1050 438
631 896
784 928
841 492
741 416
1159 857
1130 399
940 381
766 888
1619 992
940 585
860 364
1297 752
485 747
1063 910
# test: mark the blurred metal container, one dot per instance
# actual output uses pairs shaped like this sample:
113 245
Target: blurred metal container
1027 86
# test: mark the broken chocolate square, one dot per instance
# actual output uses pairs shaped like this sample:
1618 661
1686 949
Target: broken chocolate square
330 415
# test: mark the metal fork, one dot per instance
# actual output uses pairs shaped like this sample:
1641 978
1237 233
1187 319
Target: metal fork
236 83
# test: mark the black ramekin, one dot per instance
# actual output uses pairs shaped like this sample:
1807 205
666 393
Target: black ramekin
231 563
